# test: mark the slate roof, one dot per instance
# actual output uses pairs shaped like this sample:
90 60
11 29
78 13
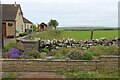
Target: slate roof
9 11
26 20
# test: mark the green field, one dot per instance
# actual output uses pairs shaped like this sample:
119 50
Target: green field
78 35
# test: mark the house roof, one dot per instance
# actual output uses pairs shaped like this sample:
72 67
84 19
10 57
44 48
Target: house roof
9 11
43 24
26 20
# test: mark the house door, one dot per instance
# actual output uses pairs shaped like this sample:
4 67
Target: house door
4 29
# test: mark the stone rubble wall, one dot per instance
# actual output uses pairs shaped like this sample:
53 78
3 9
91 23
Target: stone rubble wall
38 44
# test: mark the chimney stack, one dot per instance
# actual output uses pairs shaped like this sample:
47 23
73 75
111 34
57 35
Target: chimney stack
15 4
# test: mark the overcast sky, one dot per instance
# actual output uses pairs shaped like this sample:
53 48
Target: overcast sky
71 12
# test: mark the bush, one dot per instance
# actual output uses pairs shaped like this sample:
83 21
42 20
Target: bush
75 55
23 34
61 51
31 54
10 46
87 56
103 50
79 55
10 36
44 50
59 56
114 50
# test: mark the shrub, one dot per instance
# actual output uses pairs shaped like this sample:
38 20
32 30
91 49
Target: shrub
75 55
44 50
23 34
31 54
103 50
114 50
87 56
62 51
97 50
59 56
10 36
10 46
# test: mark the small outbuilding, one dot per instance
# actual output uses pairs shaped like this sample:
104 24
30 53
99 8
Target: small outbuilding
42 26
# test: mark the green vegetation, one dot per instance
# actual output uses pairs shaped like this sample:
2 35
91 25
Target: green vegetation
44 50
53 23
103 50
78 35
87 28
73 53
88 74
60 54
23 34
10 75
32 54
10 46
77 53
87 56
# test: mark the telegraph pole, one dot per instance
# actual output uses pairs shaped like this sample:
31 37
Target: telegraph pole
1 36
1 40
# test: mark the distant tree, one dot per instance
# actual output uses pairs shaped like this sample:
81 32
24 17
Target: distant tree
53 23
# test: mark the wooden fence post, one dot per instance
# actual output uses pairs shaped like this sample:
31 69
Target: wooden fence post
91 37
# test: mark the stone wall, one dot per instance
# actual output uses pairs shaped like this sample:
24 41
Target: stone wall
27 45
105 63
38 44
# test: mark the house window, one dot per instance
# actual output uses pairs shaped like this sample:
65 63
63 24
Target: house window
10 24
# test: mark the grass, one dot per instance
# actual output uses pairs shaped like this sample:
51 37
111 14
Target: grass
10 75
88 74
93 53
78 35
10 46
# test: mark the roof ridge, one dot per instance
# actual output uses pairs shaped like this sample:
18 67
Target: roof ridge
10 4
26 20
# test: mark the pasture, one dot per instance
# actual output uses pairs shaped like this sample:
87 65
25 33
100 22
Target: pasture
78 35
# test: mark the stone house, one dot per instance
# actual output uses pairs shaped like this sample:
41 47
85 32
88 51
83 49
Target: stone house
12 20
27 24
